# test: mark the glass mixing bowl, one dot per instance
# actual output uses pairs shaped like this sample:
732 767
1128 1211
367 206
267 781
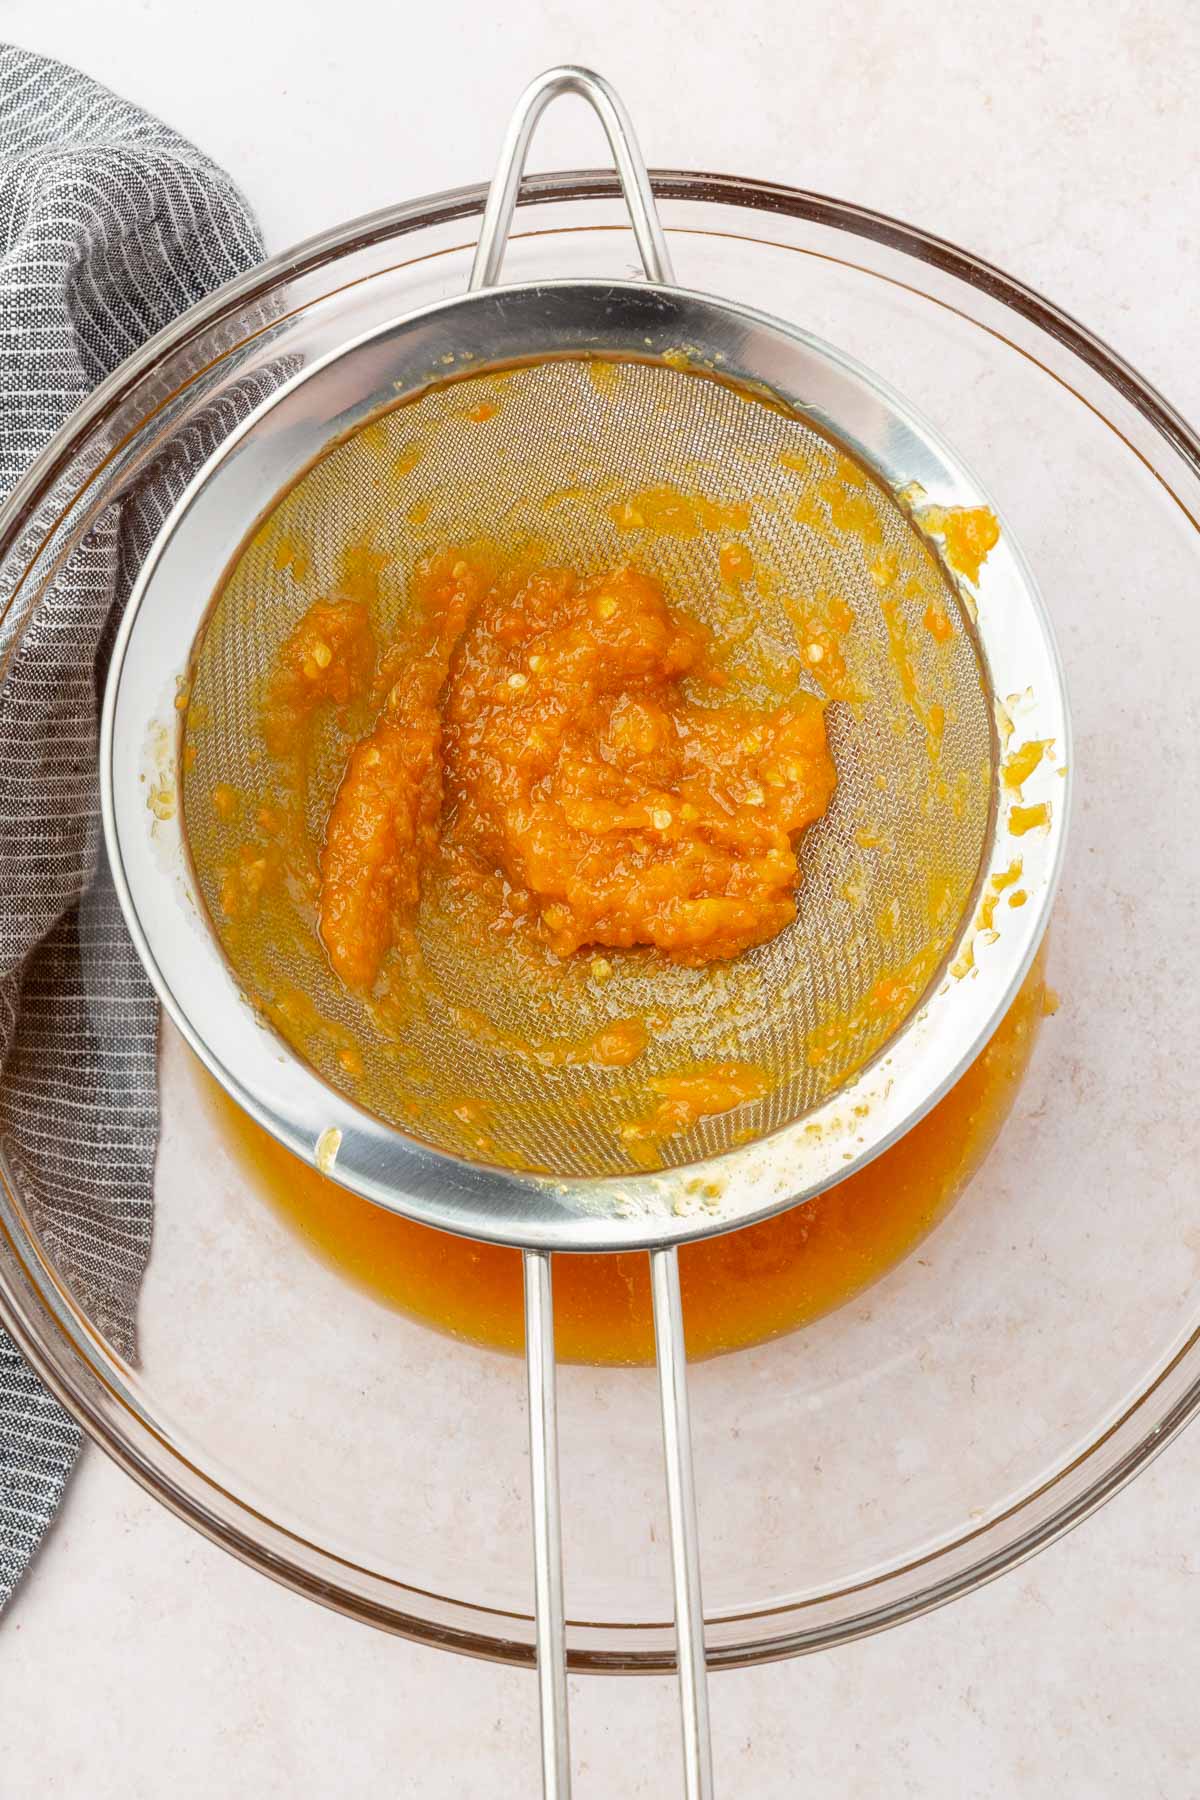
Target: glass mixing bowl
990 1391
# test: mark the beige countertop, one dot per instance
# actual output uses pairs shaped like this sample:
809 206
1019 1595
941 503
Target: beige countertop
1060 142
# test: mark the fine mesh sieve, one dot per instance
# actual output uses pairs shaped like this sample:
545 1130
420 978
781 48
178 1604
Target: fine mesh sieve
899 963
551 453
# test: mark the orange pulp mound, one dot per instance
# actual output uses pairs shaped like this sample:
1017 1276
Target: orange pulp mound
562 736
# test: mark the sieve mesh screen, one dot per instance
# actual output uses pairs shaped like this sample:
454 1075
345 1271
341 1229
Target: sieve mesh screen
599 464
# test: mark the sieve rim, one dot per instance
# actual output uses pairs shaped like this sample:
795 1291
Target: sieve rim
599 1212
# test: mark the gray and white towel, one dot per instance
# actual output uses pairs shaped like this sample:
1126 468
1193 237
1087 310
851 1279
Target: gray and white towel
110 225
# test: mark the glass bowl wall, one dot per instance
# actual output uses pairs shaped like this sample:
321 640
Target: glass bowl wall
991 1390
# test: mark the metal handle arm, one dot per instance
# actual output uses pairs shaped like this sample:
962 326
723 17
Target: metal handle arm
685 1539
547 1527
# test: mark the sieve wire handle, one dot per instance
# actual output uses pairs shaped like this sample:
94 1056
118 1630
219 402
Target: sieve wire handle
547 1527
631 172
685 1538
494 230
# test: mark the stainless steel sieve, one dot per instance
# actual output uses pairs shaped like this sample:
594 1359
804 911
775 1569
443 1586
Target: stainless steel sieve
903 874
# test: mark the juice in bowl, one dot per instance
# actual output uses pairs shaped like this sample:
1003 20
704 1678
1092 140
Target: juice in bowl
739 1289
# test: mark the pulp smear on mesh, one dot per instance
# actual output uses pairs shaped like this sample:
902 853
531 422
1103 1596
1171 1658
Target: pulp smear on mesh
580 1042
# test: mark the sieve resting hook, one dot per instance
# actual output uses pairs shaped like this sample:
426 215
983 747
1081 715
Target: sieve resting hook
636 190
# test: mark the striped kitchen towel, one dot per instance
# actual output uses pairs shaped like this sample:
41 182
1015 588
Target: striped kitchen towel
110 225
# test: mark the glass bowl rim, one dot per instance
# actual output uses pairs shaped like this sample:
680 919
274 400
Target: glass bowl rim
130 1448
